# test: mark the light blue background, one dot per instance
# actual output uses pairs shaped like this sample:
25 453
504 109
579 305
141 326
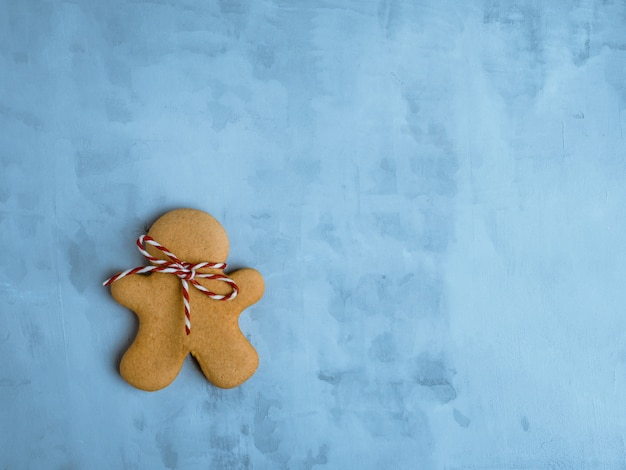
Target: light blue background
435 192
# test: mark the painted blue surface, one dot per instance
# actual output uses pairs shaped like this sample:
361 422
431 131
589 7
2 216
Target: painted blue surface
434 191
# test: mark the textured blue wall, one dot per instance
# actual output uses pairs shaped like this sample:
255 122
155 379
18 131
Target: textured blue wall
434 191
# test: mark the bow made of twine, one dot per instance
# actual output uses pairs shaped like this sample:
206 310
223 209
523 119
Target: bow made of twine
186 272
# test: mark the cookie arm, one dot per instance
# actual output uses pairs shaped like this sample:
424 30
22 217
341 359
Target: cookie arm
129 291
251 286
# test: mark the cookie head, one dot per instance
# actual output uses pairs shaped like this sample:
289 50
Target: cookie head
192 235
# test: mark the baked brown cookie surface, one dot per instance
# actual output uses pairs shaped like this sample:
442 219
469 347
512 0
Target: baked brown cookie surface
208 326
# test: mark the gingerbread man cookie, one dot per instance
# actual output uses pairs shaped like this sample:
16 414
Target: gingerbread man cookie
186 304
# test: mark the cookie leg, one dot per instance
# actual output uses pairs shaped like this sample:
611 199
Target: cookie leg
157 354
227 364
153 361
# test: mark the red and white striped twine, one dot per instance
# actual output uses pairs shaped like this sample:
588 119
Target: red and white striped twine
186 272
